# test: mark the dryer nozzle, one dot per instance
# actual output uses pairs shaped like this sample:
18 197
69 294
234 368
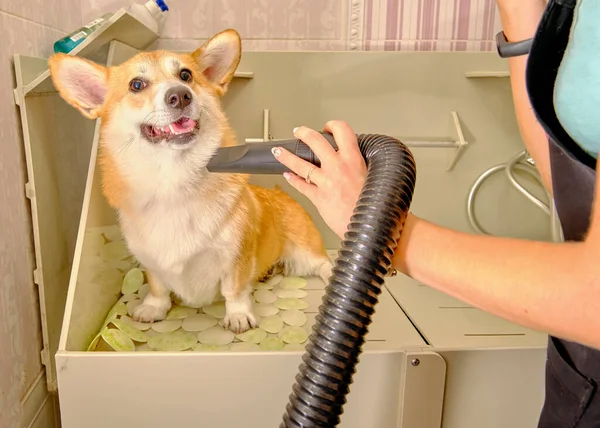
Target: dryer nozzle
257 158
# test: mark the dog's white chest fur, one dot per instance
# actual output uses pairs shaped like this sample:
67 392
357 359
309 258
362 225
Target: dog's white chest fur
185 240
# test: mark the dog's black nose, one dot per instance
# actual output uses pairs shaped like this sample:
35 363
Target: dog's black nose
178 97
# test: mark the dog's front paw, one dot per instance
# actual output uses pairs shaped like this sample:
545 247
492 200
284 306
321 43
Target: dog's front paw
152 310
240 322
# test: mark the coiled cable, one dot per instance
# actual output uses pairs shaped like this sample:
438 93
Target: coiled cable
510 166
514 163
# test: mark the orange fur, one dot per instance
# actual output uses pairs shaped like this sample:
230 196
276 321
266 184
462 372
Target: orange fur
114 187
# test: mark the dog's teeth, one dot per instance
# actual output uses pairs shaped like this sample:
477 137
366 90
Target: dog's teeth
172 130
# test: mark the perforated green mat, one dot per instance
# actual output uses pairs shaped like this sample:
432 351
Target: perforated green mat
279 303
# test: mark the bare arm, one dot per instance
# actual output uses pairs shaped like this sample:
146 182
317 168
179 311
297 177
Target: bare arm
520 19
550 287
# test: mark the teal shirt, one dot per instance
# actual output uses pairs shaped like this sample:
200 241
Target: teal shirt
577 89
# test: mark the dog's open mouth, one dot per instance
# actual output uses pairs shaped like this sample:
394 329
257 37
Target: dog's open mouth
182 130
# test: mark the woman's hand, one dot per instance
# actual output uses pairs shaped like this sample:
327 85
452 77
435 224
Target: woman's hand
335 187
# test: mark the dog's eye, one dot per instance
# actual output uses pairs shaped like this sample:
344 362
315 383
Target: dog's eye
186 75
137 85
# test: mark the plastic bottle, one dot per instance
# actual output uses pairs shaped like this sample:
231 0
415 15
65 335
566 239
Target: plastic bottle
70 41
151 14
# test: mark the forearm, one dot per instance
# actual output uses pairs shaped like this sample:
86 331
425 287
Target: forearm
519 22
549 287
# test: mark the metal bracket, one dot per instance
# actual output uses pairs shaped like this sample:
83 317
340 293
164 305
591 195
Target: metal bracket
267 136
461 143
17 96
45 356
422 390
458 142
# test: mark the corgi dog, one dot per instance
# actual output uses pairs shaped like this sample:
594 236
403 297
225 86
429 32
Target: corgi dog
200 236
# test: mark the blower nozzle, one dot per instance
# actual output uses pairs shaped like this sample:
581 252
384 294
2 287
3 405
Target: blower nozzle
256 158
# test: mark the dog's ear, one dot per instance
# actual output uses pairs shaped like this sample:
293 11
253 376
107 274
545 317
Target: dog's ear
80 82
219 57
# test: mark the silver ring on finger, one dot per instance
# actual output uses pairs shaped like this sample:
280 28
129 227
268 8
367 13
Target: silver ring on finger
307 179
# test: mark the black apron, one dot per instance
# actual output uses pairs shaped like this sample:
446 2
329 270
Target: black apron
572 370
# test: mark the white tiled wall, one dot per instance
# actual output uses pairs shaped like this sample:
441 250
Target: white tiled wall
61 15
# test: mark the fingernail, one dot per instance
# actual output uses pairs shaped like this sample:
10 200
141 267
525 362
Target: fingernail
287 175
294 130
276 151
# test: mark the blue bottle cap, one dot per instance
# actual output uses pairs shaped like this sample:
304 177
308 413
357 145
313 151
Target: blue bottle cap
163 6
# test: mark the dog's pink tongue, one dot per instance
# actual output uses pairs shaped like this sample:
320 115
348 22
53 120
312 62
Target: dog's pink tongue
183 125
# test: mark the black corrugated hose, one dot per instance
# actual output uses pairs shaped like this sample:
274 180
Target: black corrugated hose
363 262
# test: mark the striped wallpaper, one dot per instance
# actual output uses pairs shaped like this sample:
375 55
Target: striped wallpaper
429 25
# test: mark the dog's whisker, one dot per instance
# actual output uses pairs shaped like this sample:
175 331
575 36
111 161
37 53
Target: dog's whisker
125 145
156 116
